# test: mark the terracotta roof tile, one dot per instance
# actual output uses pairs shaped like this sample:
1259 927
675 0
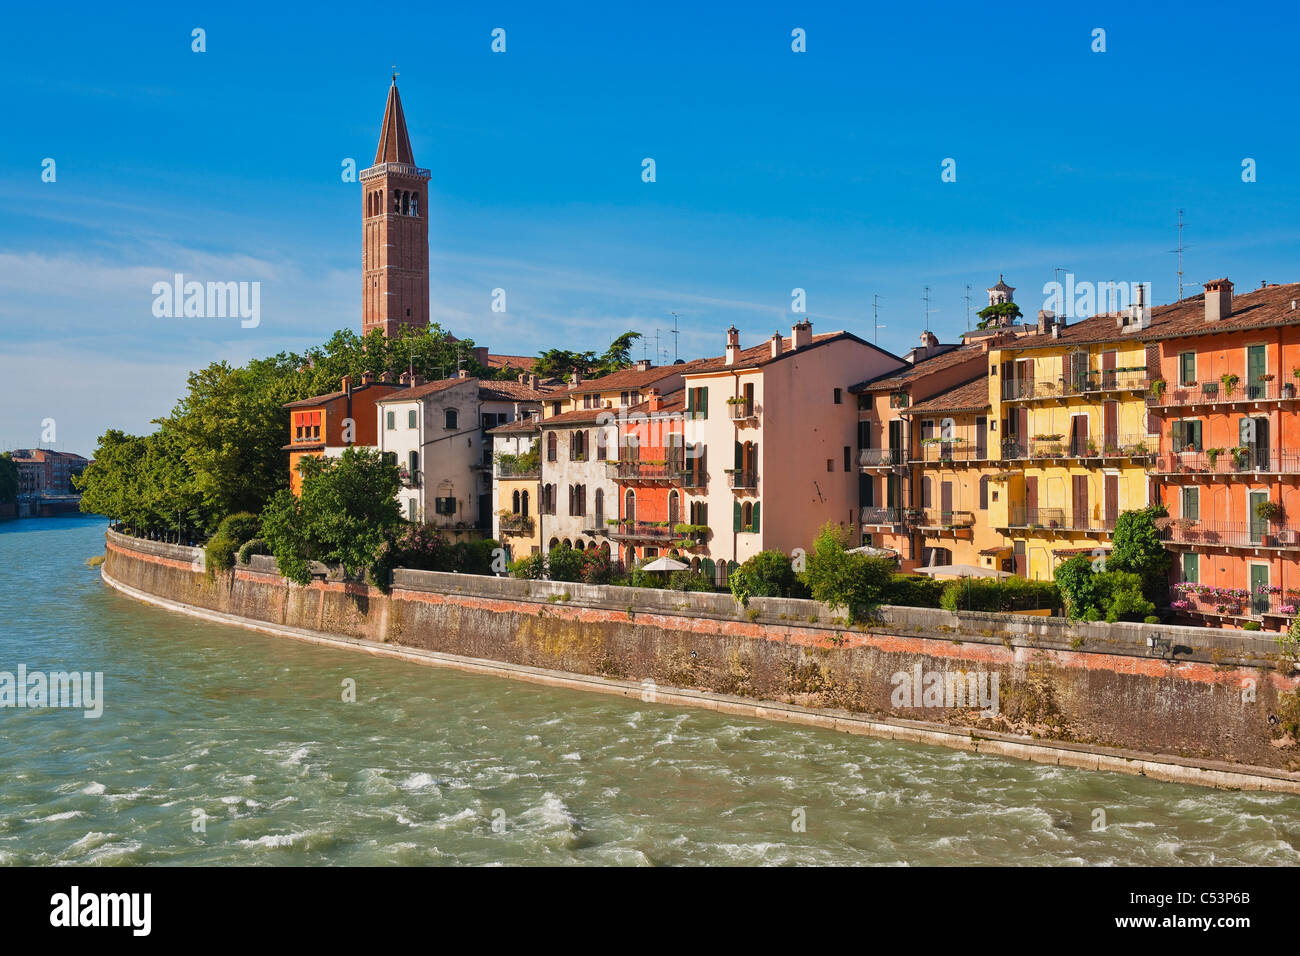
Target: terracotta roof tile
935 363
394 143
972 396
428 388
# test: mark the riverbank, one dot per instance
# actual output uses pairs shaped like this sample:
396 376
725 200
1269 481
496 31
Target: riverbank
1202 719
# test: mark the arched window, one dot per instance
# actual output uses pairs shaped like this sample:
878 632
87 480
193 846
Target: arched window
515 503
397 202
747 515
984 493
600 508
550 446
415 204
602 446
450 418
674 509
629 506
523 504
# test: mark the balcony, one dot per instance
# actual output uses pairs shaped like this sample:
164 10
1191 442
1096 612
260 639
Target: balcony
645 470
738 479
1217 393
517 525
1059 520
940 521
1229 462
517 469
880 458
1191 533
1229 602
1092 382
742 413
625 530
1135 447
941 452
410 479
880 517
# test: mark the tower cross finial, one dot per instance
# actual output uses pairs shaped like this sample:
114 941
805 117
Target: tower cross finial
395 73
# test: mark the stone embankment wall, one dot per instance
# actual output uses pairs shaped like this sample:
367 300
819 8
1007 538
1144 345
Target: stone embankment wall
1202 698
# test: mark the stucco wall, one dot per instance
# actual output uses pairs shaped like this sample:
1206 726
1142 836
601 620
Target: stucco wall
1088 684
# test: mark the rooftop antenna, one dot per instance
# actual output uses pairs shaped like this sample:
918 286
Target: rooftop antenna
676 333
1057 272
967 307
926 299
875 308
1179 250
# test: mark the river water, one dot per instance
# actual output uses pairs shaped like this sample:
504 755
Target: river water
219 745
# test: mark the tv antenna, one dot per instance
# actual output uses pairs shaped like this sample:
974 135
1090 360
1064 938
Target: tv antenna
967 297
926 299
875 309
676 334
1179 250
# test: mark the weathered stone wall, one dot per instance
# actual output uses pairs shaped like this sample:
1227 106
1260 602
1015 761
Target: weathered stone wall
1087 684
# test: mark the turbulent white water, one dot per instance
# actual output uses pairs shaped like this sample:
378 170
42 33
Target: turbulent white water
438 767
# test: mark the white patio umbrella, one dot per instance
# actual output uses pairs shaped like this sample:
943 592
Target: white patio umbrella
963 571
665 564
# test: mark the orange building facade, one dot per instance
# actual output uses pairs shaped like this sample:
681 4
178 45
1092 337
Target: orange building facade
326 424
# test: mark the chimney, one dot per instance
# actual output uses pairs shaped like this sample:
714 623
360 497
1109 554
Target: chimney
643 365
533 381
1046 318
575 377
386 377
367 378
347 385
653 399
462 373
777 343
404 379
801 335
733 345
1218 299
417 379
523 378
481 355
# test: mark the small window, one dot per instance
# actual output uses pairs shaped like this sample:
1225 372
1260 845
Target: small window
830 464
444 506
1187 368
410 418
1192 567
848 458
392 420
449 417
410 509
839 397
1191 509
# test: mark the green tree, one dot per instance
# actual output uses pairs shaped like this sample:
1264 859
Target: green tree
1002 313
767 574
1136 547
347 515
842 580
8 478
618 355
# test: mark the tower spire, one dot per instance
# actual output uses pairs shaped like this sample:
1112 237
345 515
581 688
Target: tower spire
394 142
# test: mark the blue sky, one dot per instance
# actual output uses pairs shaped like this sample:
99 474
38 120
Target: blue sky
775 170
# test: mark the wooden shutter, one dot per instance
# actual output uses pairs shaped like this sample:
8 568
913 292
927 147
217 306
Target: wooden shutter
755 525
736 515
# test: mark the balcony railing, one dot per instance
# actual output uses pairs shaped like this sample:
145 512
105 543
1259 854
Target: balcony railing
936 452
410 479
1094 381
517 524
632 470
740 480
1228 534
742 411
1128 446
881 516
1228 462
518 469
641 530
880 457
1216 393
1060 519
1233 602
945 520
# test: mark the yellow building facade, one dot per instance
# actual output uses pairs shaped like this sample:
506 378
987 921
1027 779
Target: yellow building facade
1073 442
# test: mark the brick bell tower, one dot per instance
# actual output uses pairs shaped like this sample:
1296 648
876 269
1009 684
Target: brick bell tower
394 231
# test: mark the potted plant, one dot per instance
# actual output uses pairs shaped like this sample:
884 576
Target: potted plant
1212 455
1271 512
1241 457
1210 389
1229 381
1158 388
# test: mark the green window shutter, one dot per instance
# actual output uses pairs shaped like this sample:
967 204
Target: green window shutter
690 404
735 512
756 506
704 402
1176 436
740 456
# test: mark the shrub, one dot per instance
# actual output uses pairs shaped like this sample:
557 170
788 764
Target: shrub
532 567
233 531
1136 547
1108 595
766 574
689 581
1251 626
564 563
251 547
473 557
1122 597
990 594
913 590
596 567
